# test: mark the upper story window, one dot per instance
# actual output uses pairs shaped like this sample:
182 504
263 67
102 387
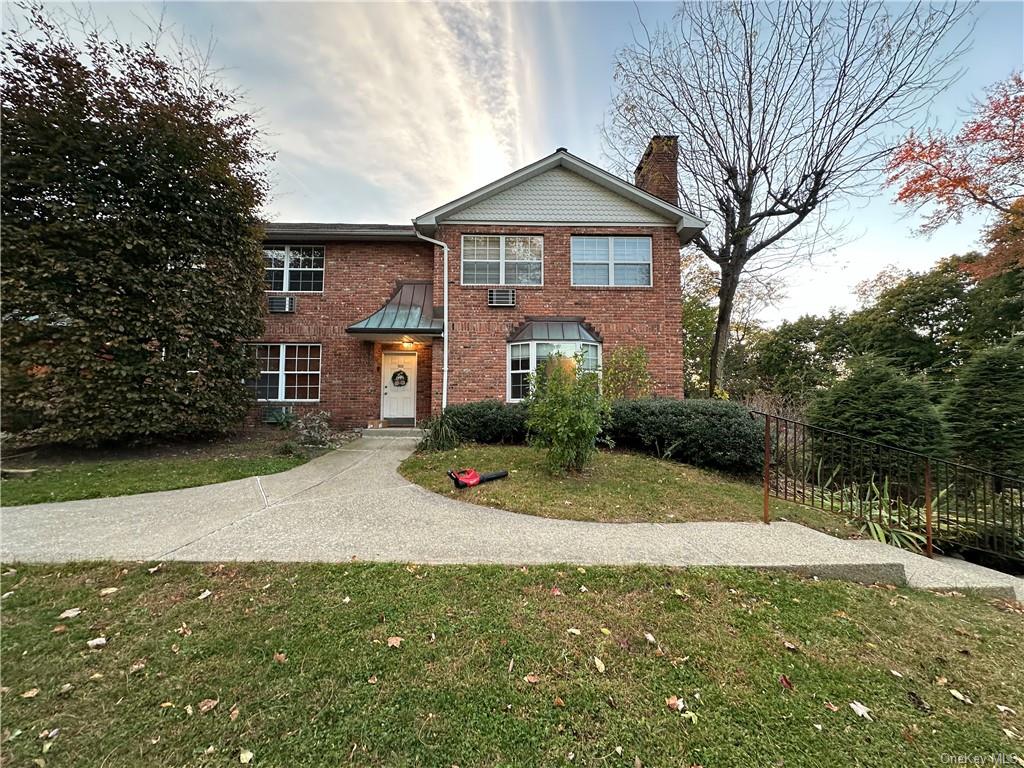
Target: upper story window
297 268
502 260
611 260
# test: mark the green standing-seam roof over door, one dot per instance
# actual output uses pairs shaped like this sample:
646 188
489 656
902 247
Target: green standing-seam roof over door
554 329
409 310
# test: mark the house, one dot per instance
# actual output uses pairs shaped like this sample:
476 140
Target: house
391 323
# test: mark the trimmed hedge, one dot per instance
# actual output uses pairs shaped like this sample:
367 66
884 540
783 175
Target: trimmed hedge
705 433
488 421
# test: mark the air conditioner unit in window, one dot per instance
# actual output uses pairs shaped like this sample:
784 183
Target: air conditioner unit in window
281 303
277 414
501 297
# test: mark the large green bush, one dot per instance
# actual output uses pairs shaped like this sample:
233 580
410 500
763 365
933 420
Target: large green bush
566 414
706 433
488 421
985 410
132 265
625 374
878 402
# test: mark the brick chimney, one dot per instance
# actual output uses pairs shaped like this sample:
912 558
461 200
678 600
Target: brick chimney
658 170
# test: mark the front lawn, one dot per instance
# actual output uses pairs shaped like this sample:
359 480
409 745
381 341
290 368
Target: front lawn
390 665
618 487
68 474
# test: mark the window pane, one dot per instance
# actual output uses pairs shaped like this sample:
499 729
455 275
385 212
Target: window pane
266 386
523 273
520 386
590 357
589 249
520 357
273 258
307 257
632 249
590 274
481 272
306 280
481 247
523 248
267 357
632 274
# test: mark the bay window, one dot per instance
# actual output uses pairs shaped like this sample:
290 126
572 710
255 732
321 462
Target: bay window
502 260
294 268
611 261
288 372
527 357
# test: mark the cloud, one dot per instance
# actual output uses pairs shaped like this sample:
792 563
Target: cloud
422 102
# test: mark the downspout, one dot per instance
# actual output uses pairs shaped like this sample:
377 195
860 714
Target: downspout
444 322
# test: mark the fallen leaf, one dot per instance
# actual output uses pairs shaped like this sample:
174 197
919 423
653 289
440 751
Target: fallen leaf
207 704
245 757
675 703
346 599
136 667
70 613
636 762
556 592
188 710
372 680
785 682
184 630
31 693
205 594
605 631
861 710
66 689
60 628
166 704
599 664
691 716
155 568
895 673
941 681
96 676
280 658
1006 710
831 707
650 638
395 641
210 750
583 588
959 696
817 726
618 751
511 663
558 701
532 679
107 591
573 631
1011 734
789 646
918 702
233 714
97 642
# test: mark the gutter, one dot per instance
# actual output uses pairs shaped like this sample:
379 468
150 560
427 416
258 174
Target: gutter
444 322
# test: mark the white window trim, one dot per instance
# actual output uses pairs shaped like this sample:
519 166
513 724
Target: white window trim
281 348
612 263
533 362
287 264
501 262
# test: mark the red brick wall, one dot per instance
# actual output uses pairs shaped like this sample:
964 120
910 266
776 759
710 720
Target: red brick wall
658 171
358 279
622 316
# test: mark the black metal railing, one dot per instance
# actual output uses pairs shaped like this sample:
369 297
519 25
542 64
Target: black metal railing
897 495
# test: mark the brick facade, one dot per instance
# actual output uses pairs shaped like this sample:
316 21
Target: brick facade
622 316
359 277
658 170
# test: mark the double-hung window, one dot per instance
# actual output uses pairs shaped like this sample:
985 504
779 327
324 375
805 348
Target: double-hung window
612 261
295 268
502 260
527 357
288 372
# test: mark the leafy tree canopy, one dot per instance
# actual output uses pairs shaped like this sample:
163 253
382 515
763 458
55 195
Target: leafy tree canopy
131 241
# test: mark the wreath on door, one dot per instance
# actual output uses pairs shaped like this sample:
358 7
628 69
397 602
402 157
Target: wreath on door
399 378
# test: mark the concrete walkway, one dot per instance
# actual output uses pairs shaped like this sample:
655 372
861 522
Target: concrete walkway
351 503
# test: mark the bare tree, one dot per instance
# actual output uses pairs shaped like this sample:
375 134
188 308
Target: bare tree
780 109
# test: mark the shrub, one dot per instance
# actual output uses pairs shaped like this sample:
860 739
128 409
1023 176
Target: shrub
625 375
314 429
566 414
707 433
985 410
488 421
439 433
877 402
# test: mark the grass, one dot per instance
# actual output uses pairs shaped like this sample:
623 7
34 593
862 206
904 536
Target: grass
618 487
454 693
67 474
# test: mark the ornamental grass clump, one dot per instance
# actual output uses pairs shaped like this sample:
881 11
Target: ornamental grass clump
566 413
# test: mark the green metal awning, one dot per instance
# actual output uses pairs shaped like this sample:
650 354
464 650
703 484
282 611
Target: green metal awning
408 314
554 329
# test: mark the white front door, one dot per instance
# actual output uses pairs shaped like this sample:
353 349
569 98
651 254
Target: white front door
398 385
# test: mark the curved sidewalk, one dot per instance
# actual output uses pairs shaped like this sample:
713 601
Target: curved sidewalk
352 503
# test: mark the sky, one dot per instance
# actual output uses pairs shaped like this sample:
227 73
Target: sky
380 112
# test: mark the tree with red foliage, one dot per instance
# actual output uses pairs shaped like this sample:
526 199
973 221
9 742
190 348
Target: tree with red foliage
981 167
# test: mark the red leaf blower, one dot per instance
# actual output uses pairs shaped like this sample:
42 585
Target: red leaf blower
467 478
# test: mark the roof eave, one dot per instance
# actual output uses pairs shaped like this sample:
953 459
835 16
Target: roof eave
272 234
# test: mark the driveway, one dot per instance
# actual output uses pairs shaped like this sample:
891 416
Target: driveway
353 504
